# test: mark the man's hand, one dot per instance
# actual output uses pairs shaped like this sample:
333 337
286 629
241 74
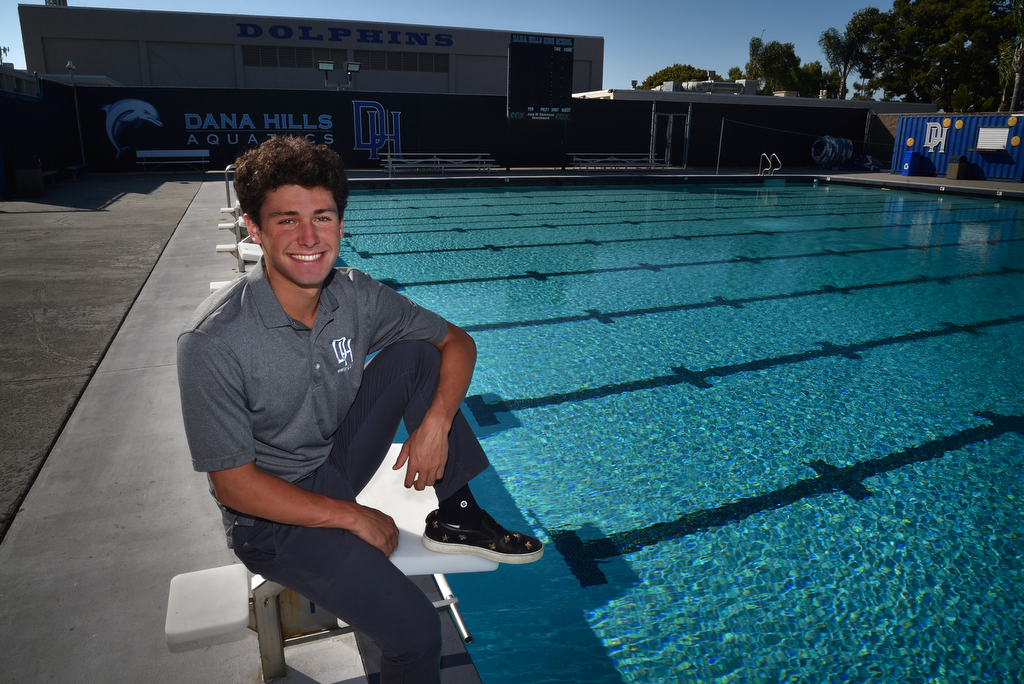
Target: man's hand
426 452
376 529
247 489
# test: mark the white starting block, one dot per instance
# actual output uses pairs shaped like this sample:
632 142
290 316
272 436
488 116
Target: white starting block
243 249
214 603
249 252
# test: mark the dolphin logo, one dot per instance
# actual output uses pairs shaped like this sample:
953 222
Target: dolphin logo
125 114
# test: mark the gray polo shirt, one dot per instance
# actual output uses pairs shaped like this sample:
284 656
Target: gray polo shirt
257 385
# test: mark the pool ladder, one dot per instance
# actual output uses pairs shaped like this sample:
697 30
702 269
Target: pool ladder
768 164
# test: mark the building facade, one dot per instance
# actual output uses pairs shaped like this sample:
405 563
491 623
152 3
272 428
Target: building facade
146 48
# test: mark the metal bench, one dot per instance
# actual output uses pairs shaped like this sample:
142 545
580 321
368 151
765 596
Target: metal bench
209 605
76 169
50 176
615 161
430 161
197 159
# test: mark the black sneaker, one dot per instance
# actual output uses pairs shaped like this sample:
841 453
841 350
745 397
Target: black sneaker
490 540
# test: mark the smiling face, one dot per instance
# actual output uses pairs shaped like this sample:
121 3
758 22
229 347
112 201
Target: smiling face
300 232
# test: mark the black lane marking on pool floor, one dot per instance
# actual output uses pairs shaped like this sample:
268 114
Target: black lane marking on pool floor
542 277
598 242
740 212
608 317
447 210
484 412
583 557
686 215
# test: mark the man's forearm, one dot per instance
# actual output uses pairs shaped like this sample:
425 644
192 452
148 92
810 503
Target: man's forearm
249 490
458 358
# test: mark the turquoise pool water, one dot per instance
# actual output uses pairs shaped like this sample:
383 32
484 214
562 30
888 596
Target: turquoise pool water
768 433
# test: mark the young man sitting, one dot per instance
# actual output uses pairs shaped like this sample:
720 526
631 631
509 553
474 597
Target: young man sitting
290 426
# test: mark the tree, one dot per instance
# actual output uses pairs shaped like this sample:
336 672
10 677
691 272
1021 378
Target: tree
1007 77
923 50
676 72
774 64
845 51
1018 56
811 78
965 100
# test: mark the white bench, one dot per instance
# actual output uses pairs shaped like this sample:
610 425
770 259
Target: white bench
431 161
615 161
75 169
196 159
211 604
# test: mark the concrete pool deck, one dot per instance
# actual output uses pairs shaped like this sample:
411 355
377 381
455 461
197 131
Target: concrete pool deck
98 278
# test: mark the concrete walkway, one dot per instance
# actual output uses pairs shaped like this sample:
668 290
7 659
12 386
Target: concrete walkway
116 511
71 264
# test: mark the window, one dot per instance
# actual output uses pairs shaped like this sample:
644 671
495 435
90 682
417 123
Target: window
379 60
290 57
993 138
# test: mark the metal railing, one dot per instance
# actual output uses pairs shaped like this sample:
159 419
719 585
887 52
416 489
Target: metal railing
768 164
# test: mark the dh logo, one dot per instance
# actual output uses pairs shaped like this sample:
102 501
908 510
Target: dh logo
343 351
935 136
374 135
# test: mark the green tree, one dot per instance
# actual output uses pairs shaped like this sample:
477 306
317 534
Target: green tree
1018 56
844 52
923 50
811 78
965 100
1007 77
774 64
676 72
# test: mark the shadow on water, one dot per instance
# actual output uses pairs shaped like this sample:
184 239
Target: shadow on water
529 622
583 551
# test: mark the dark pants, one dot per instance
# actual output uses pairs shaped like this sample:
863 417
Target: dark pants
337 570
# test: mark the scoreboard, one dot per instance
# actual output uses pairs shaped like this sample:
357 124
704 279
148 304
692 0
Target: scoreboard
540 77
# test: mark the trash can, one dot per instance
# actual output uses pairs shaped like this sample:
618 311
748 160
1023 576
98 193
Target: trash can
957 169
28 176
911 160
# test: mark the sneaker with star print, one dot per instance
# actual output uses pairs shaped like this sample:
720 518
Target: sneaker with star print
488 540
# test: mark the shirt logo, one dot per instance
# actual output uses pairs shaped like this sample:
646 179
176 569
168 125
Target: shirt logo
343 351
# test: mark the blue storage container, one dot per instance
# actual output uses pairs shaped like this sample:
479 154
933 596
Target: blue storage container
991 144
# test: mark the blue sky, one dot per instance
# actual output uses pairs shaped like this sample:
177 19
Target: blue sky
641 37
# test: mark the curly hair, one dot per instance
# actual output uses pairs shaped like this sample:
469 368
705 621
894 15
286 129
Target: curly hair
288 160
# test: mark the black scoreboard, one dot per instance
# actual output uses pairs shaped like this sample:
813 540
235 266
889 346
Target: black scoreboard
540 77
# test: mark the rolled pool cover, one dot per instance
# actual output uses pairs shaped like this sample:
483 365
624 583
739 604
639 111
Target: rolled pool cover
829 151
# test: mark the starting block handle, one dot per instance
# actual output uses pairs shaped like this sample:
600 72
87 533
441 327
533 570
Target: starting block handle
450 601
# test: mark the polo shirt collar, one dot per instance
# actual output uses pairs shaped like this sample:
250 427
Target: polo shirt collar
269 307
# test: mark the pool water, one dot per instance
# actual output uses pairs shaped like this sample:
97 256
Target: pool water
769 433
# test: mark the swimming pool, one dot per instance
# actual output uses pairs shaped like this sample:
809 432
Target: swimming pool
769 433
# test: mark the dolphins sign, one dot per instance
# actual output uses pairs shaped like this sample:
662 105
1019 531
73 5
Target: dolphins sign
128 114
